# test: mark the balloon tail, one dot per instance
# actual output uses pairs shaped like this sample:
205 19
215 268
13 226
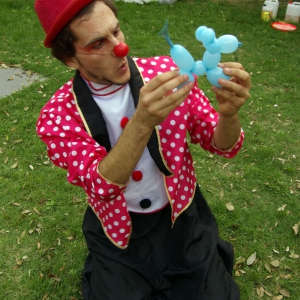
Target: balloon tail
165 34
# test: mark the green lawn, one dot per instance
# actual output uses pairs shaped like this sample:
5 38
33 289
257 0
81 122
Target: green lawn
255 196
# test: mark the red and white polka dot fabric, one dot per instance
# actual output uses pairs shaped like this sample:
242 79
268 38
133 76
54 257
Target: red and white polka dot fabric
62 127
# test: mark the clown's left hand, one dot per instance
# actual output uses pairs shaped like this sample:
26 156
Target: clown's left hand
234 92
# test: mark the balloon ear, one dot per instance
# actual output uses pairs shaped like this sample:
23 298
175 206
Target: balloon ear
199 31
207 36
214 47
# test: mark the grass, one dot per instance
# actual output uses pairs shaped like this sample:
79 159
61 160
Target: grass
42 248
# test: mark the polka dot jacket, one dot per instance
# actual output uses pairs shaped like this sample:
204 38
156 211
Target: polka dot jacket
61 125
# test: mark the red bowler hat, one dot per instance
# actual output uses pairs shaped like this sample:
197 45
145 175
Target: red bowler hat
55 14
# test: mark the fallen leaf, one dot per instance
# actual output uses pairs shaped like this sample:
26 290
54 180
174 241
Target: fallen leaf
282 208
260 291
225 165
268 268
275 263
296 228
240 260
285 293
268 293
293 255
279 297
36 211
229 206
251 259
14 165
221 194
54 277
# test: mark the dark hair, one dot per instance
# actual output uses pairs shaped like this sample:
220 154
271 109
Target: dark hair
62 46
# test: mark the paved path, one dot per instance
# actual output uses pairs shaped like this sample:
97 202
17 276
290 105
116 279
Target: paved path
14 79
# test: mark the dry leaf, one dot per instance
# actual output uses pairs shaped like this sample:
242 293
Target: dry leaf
285 293
268 293
240 260
221 194
52 276
225 165
260 291
279 297
296 228
14 165
267 266
36 211
275 263
229 206
293 255
282 208
251 259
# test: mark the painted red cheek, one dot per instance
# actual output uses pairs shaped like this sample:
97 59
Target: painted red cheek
121 50
137 175
124 122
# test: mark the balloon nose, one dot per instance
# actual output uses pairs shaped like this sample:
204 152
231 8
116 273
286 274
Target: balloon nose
121 50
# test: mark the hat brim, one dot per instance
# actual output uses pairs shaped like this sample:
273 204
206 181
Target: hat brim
64 18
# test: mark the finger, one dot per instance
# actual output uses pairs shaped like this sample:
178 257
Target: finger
231 65
173 99
231 88
167 87
238 73
159 80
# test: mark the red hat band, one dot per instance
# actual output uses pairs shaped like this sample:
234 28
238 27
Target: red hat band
55 14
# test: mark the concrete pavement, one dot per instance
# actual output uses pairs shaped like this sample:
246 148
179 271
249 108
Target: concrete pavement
14 79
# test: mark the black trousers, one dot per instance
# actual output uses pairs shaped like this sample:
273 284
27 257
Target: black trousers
188 261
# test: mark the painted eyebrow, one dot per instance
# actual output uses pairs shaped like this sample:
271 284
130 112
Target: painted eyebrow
97 39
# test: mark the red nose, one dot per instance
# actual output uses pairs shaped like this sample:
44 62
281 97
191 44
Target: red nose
121 50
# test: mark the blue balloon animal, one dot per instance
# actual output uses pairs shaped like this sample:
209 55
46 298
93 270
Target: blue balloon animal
209 65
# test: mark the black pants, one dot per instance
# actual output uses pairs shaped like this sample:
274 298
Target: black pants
188 261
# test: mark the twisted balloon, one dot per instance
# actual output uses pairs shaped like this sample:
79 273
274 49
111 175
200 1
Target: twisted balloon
211 58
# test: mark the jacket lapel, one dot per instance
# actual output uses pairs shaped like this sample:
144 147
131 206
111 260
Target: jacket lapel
96 122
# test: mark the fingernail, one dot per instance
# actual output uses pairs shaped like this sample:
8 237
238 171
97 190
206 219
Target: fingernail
221 65
191 85
186 77
221 81
227 70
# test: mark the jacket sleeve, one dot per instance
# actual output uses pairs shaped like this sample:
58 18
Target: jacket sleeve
70 147
202 122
